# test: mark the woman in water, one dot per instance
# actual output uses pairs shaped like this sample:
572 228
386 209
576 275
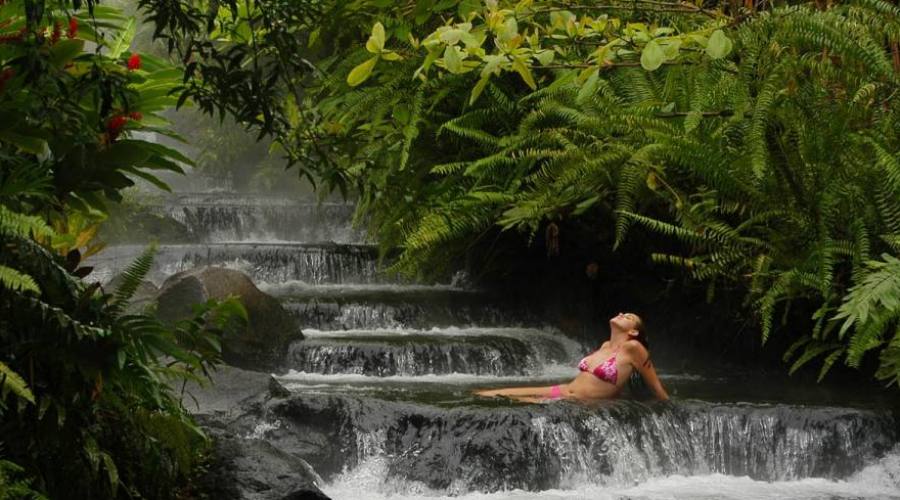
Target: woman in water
604 372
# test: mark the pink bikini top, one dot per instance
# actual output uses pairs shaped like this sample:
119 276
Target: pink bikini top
606 371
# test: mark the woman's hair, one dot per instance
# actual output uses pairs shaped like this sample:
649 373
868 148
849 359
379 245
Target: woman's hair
642 332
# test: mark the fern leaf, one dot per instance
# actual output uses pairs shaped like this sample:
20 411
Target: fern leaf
23 226
811 352
11 381
14 280
131 280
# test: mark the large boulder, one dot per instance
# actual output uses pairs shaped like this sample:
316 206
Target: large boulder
243 466
262 344
253 469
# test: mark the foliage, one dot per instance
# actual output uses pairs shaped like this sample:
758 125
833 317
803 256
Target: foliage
88 408
766 152
761 141
13 486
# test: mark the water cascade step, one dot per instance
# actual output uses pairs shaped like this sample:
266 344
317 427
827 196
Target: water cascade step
228 217
387 352
343 307
381 401
263 262
478 448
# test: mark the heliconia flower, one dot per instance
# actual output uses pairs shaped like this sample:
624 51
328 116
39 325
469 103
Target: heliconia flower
57 33
134 62
73 28
14 37
115 125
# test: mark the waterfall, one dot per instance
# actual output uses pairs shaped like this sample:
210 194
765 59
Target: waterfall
381 401
465 449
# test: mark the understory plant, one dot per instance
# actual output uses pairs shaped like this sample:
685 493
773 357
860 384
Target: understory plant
90 402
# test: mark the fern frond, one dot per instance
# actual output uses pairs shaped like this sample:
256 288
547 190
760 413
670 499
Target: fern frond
449 168
12 381
132 277
879 290
23 226
756 138
631 178
889 360
893 241
14 280
812 351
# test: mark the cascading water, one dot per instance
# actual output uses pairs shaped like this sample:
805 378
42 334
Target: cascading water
381 403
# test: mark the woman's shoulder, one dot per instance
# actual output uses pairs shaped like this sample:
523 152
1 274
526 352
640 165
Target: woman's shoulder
635 349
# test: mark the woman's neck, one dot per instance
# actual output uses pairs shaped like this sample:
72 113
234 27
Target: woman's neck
617 338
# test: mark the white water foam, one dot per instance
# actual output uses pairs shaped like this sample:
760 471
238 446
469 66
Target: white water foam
295 380
286 288
259 432
572 348
879 480
551 373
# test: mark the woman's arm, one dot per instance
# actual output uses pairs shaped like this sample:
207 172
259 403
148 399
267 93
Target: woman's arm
649 373
640 359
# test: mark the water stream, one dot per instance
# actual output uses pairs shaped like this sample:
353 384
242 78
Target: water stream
382 405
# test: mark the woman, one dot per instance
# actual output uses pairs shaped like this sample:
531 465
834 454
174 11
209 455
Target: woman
604 372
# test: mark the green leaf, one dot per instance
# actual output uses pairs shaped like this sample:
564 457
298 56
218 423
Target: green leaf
671 48
466 7
124 154
14 280
692 120
545 57
589 88
479 87
362 72
11 381
523 71
375 44
652 56
112 472
27 143
719 45
64 51
123 41
152 179
452 61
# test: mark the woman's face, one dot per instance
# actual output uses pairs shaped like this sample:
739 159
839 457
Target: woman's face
624 321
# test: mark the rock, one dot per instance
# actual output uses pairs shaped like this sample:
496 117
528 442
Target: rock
243 467
276 390
263 344
253 469
228 394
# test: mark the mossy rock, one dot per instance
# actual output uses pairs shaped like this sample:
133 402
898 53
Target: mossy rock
262 344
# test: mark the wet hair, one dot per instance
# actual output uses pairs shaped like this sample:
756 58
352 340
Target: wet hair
642 332
636 384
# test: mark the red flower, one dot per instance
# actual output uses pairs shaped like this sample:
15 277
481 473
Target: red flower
73 28
134 62
136 115
57 33
115 125
14 37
